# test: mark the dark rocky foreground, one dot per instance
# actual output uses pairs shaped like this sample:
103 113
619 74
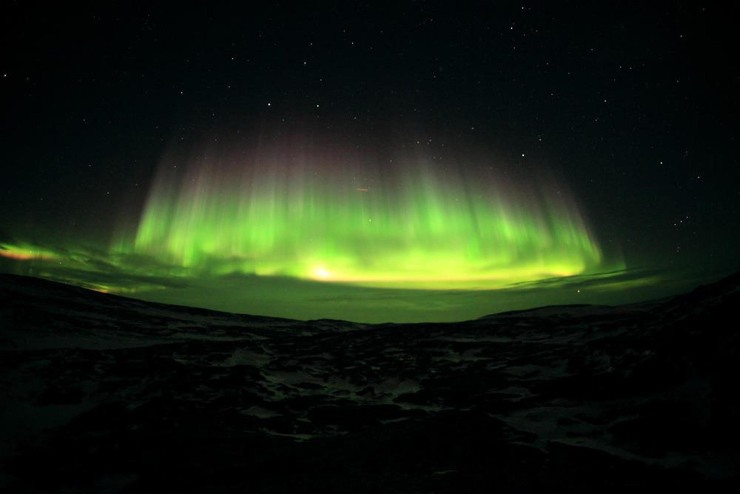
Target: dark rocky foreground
106 394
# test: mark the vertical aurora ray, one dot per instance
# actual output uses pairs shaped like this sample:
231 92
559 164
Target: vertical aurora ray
320 211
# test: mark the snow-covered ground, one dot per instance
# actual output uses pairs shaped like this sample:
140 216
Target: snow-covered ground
106 394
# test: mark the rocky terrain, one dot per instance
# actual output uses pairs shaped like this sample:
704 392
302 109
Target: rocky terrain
107 394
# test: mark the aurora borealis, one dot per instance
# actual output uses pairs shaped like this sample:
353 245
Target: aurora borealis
301 226
420 161
308 211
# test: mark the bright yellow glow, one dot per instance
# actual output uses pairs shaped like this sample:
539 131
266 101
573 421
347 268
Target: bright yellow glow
321 273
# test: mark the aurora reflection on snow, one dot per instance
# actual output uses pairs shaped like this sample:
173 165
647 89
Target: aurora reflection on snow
312 209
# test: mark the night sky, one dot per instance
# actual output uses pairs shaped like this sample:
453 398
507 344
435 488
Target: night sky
371 161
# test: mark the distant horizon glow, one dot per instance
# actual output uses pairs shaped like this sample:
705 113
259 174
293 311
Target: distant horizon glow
146 279
25 251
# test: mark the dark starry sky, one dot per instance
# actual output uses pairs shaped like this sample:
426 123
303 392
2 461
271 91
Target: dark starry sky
635 105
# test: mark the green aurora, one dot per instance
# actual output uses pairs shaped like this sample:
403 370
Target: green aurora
307 229
328 216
